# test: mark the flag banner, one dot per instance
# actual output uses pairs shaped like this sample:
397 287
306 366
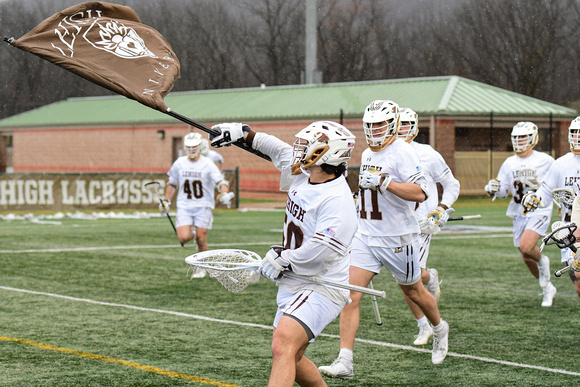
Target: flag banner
108 45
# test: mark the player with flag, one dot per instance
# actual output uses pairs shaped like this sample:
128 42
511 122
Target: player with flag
518 175
319 225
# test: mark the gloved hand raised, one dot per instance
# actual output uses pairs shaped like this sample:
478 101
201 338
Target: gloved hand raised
227 133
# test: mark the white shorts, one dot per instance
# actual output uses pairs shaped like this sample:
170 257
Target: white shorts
199 217
402 261
312 310
537 223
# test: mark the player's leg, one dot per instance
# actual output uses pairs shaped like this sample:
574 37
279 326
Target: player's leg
362 270
288 341
183 223
202 221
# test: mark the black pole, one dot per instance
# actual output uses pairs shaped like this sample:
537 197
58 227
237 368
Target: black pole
491 145
550 135
341 116
239 144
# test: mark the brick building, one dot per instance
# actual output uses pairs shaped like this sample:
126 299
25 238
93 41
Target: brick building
466 121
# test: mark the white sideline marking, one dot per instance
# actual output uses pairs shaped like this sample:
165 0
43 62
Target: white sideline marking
269 327
61 250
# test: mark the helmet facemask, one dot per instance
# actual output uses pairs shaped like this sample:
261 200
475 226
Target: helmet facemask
192 145
381 123
408 129
524 136
574 136
322 142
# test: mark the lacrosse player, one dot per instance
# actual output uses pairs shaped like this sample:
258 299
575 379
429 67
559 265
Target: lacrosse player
519 174
563 173
431 214
319 226
195 177
388 232
211 154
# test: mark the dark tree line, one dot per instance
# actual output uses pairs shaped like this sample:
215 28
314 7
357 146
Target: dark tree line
527 46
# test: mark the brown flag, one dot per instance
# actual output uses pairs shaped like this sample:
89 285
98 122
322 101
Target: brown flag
107 44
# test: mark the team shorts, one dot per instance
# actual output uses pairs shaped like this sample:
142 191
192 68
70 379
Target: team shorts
312 310
401 261
537 223
199 217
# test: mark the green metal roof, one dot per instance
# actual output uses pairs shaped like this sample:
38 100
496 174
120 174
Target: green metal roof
441 96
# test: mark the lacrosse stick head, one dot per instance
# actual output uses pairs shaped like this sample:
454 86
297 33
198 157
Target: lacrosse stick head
154 187
562 235
234 269
564 196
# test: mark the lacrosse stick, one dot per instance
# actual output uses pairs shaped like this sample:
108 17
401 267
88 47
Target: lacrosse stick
236 269
563 196
154 187
375 306
465 217
562 235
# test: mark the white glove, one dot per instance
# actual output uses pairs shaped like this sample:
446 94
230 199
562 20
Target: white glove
567 258
374 180
228 134
164 205
440 216
273 264
225 198
492 187
531 201
428 226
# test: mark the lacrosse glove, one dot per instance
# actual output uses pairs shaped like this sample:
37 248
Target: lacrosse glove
227 134
428 226
440 216
492 187
225 198
531 201
273 264
374 180
164 205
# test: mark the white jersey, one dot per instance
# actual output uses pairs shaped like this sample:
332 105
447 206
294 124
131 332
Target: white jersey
436 171
195 181
563 173
215 157
509 182
319 225
388 215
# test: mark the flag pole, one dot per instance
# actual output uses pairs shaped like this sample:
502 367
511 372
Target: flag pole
240 144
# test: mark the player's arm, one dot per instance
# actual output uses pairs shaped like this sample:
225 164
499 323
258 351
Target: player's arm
412 192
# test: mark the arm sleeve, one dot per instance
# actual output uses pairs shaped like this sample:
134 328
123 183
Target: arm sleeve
451 188
280 153
503 178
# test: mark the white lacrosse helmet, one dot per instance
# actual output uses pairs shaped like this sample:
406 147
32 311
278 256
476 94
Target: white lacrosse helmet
408 129
524 136
386 114
192 145
322 142
204 146
574 136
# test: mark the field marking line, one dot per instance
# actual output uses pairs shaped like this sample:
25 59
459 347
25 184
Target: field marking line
67 249
126 363
269 327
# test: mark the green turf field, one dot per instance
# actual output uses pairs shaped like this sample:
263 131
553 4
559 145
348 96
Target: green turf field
107 303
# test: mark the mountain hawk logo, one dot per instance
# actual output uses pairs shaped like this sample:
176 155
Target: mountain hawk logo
398 250
118 40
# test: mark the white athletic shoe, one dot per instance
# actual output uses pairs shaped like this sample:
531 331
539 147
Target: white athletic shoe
544 267
338 369
440 344
433 287
549 293
425 331
199 273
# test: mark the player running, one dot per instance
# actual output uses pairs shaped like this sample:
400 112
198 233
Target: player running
431 214
518 175
195 177
319 226
564 172
388 232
